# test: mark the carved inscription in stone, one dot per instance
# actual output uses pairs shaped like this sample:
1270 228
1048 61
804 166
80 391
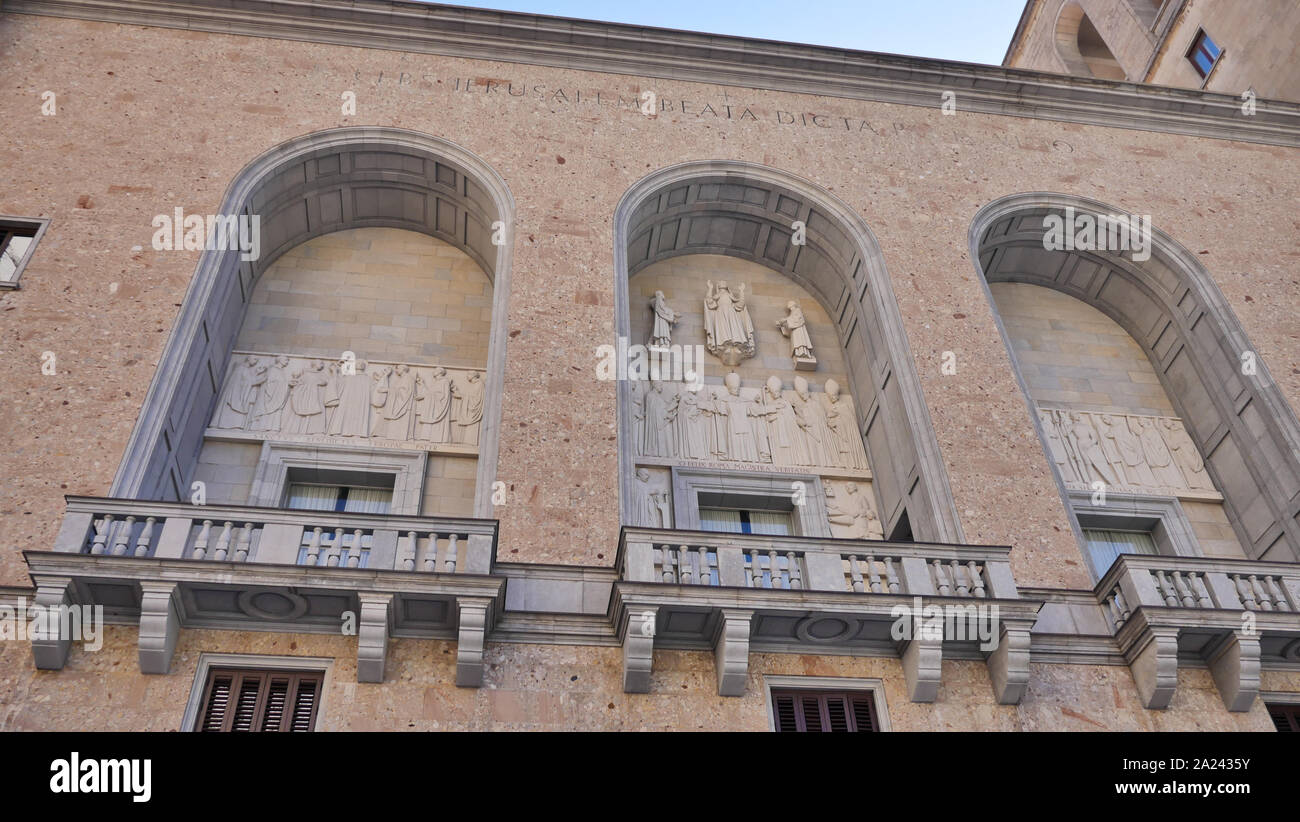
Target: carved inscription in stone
1133 453
307 399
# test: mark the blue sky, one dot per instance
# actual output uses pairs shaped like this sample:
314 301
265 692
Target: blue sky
976 31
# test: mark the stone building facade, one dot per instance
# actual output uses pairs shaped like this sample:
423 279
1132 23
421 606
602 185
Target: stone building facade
585 376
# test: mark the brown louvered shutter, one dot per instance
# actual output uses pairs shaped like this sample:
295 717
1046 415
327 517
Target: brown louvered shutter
1286 718
823 711
245 701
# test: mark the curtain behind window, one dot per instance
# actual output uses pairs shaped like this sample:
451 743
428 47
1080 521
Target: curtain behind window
313 497
368 500
772 523
718 519
1106 546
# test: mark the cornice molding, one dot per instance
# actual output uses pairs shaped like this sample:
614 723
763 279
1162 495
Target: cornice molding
704 58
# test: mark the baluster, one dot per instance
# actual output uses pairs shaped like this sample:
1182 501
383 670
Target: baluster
245 543
354 555
755 570
1184 593
855 574
1166 590
963 589
940 582
705 575
665 564
223 542
101 535
1261 596
774 568
1197 583
873 577
122 537
408 552
431 553
452 559
1279 596
201 544
1112 605
313 547
796 576
890 576
684 563
1125 611
1244 591
146 537
336 546
977 578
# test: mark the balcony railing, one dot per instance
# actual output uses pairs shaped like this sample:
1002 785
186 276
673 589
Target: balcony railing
1202 583
247 534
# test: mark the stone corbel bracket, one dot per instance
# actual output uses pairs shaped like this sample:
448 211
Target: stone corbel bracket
161 614
1149 642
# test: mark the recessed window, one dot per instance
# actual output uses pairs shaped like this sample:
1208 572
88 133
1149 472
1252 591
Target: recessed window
824 711
352 499
1203 54
1106 545
236 701
746 521
17 242
1286 718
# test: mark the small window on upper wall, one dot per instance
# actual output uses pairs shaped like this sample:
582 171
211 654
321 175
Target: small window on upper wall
1286 718
18 238
247 701
1105 545
1203 54
824 711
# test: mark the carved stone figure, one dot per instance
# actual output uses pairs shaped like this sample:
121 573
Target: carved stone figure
351 416
795 326
1161 462
469 408
851 515
657 425
269 406
664 320
728 330
652 508
1091 458
305 411
433 406
758 426
817 436
732 407
695 435
1185 455
1056 446
783 430
837 410
241 393
394 419
1128 447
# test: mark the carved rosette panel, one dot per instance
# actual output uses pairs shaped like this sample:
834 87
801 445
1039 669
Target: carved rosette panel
290 398
1131 453
751 428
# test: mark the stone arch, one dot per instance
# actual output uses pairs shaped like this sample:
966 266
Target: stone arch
1243 426
746 210
309 186
1081 47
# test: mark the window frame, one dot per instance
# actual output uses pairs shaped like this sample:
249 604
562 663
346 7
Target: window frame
1196 48
210 662
750 490
33 227
874 687
1162 517
279 461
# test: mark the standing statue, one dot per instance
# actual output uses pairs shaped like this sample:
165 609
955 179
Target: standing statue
694 429
733 408
657 424
652 506
838 413
795 326
395 418
305 411
273 397
817 435
664 320
1056 446
1092 459
1185 455
433 406
1129 448
469 408
351 416
728 330
1167 474
240 394
783 430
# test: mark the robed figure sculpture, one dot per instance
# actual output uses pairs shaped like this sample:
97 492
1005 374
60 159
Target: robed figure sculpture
728 330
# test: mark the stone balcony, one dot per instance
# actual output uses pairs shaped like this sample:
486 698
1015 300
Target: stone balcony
1230 614
735 593
172 565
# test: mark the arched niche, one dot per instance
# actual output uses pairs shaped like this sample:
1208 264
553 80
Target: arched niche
1081 47
1241 423
304 188
745 210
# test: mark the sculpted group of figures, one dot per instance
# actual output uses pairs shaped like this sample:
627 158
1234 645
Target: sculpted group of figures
1124 450
731 423
728 328
303 396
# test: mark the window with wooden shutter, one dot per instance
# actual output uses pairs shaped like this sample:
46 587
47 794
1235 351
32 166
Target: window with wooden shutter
245 701
1286 718
824 711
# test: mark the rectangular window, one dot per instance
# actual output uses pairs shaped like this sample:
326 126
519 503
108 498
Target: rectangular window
1106 545
343 498
1203 54
744 521
246 701
1286 718
17 242
824 711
